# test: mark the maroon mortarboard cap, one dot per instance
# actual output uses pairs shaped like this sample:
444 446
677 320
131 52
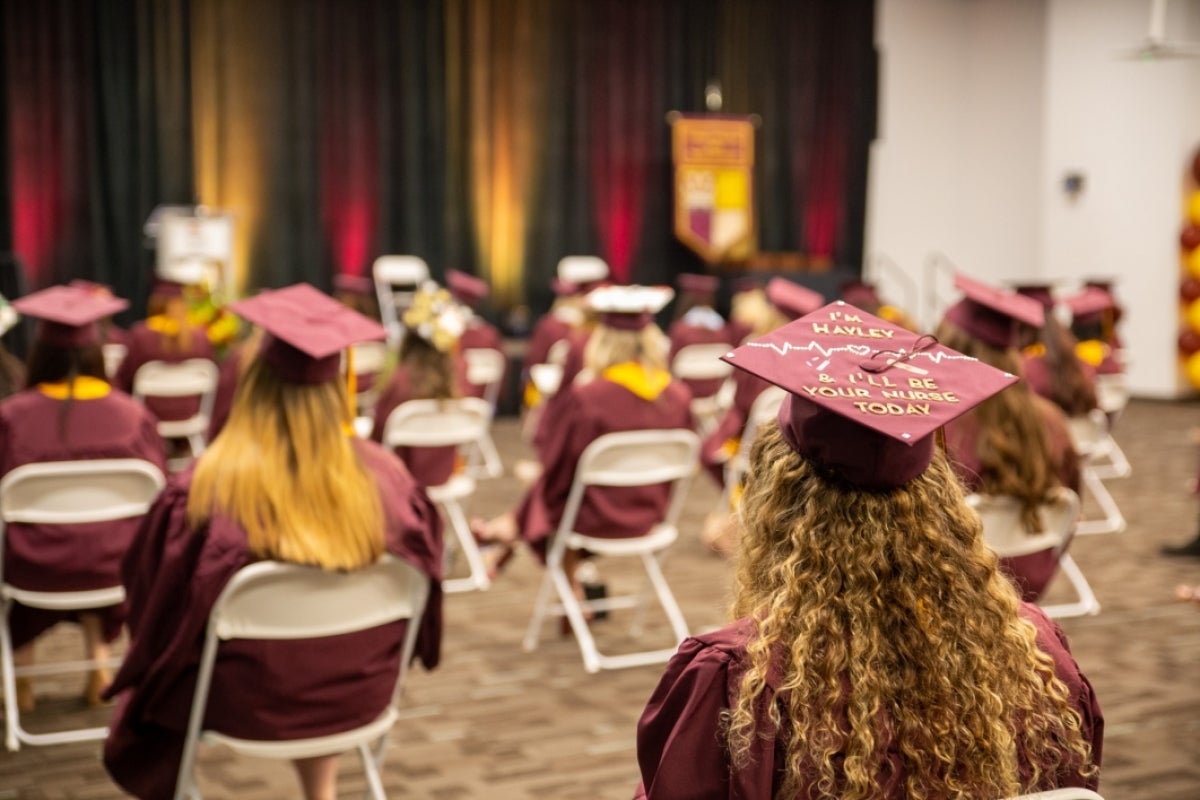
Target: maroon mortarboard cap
746 283
467 289
865 396
563 288
860 294
583 271
1041 292
1090 304
793 299
1107 284
306 331
69 314
629 308
698 285
990 314
347 283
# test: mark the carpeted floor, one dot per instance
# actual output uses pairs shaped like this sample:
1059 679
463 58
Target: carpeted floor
496 722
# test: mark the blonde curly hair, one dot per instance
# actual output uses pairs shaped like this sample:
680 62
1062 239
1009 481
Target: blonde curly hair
895 631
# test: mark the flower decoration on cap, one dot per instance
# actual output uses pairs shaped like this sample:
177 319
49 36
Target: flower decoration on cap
629 308
69 314
435 317
865 396
583 271
991 314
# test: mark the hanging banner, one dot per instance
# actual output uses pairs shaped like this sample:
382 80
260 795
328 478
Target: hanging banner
714 174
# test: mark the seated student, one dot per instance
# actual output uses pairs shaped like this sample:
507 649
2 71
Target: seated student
697 322
576 277
165 335
625 387
1094 318
70 413
478 334
861 294
429 368
285 481
1017 443
1049 362
877 651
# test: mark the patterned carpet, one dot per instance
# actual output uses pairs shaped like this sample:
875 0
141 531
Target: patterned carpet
500 723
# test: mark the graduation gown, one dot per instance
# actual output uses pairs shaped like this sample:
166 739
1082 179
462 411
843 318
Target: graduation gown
482 335
682 755
70 557
555 410
146 344
591 410
720 445
1032 572
685 331
430 466
1036 372
260 689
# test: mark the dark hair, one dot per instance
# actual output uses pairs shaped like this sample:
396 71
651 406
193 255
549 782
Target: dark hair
1070 389
431 371
52 363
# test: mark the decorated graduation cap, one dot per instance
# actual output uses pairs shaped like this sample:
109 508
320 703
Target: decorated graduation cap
582 271
792 299
991 314
865 396
467 289
435 317
306 331
69 314
629 308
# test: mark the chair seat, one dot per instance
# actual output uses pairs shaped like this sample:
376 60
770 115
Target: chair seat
306 748
65 601
457 488
659 538
183 428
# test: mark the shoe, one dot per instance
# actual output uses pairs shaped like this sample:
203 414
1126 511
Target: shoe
1192 548
26 701
98 681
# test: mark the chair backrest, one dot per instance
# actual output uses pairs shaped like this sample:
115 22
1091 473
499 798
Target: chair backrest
547 378
437 423
195 377
369 357
113 354
485 367
1070 793
1089 433
76 492
701 362
1112 392
635 458
1004 533
390 272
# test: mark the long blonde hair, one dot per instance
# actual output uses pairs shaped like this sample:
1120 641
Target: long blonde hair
894 631
284 469
1013 448
607 347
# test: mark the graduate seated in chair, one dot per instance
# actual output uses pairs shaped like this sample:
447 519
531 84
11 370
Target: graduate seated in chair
287 481
625 386
878 651
70 413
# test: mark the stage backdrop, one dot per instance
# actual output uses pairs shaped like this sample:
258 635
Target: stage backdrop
493 136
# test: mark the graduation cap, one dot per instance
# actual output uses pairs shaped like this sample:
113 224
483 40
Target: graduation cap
1091 304
582 271
865 396
307 331
346 283
859 293
629 308
69 314
435 317
467 289
793 299
991 314
703 286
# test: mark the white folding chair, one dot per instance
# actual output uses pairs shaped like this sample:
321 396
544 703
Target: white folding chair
1070 793
485 367
368 358
270 600
113 355
582 269
627 458
764 409
702 362
195 377
447 423
64 493
390 272
1094 444
1059 515
1112 396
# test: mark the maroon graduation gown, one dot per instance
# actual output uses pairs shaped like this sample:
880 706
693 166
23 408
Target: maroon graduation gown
1032 572
681 751
683 334
260 689
1036 372
554 409
589 411
546 331
713 450
147 345
70 557
482 335
431 466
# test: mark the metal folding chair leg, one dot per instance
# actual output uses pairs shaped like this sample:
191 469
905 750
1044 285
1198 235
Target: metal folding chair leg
478 578
1113 521
1116 465
1086 605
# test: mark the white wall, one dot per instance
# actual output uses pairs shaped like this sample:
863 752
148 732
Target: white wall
957 163
986 104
